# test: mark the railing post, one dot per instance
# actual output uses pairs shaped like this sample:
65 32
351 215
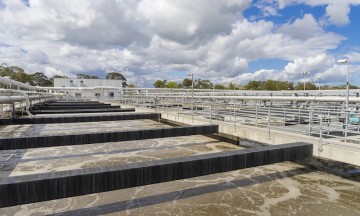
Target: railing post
269 132
346 124
256 115
13 112
310 120
320 135
210 112
155 102
234 116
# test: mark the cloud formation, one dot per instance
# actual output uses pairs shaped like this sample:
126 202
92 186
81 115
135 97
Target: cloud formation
150 39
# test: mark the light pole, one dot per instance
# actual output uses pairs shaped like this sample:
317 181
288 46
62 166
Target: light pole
192 95
305 73
346 61
318 78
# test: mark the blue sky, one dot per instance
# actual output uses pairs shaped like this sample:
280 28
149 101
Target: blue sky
224 41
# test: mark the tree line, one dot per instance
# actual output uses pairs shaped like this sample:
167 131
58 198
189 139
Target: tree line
40 79
269 85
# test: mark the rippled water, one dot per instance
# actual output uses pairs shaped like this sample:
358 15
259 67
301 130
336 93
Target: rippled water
308 187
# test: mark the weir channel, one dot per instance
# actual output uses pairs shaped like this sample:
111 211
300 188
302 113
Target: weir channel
130 163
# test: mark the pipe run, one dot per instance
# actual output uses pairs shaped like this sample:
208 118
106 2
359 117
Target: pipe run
270 98
11 99
18 85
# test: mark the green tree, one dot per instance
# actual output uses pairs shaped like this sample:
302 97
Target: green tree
86 76
219 86
254 85
160 83
187 83
14 73
284 85
39 79
83 76
117 76
308 86
203 84
232 86
269 85
172 85
132 85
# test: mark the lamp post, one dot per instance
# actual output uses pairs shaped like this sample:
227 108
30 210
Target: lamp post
192 95
346 61
305 73
319 78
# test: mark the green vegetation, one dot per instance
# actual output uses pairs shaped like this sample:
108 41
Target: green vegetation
18 74
267 85
160 83
85 76
117 76
40 79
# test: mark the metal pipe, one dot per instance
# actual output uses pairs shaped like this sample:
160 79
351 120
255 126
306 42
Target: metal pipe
10 82
11 99
275 98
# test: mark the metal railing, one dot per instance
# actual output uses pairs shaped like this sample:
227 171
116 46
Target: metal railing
325 121
19 96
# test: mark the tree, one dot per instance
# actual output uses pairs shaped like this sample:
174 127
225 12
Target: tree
219 86
203 84
254 85
83 76
284 85
86 76
14 73
269 85
39 79
232 86
117 76
187 83
308 86
132 85
172 85
160 83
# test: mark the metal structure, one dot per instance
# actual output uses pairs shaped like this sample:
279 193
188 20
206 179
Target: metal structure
16 95
320 114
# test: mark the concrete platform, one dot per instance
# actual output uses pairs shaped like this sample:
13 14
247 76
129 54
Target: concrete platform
62 135
74 107
52 159
76 104
72 118
35 112
37 130
36 187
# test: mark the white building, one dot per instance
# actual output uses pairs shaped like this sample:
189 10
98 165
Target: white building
76 82
88 88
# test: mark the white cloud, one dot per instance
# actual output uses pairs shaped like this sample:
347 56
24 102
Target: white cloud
152 38
302 28
337 11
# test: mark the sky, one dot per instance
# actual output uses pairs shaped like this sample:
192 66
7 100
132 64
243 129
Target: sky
220 40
